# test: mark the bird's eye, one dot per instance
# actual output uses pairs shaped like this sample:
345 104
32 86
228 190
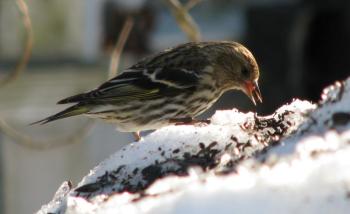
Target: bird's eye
245 72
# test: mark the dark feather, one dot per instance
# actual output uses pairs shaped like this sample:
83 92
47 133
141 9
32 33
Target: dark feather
180 78
138 84
69 112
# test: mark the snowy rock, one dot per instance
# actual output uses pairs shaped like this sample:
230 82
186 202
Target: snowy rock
294 161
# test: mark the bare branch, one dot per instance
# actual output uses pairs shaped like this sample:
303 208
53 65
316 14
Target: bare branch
22 63
19 138
29 142
118 49
184 20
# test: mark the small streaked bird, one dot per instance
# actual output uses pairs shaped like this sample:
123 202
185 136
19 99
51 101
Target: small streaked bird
171 87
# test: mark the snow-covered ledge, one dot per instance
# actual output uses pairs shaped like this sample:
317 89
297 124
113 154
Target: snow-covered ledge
294 161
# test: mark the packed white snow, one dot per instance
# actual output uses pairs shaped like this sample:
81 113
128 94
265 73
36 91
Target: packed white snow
294 161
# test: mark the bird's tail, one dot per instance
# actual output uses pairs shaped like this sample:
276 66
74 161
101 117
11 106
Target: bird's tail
69 112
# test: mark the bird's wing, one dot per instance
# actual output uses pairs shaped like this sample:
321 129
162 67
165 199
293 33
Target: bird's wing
139 84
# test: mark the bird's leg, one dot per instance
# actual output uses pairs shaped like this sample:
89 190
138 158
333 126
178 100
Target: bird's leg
182 121
187 121
207 121
137 136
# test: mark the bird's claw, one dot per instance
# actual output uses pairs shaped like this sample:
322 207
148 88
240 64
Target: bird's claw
137 136
189 121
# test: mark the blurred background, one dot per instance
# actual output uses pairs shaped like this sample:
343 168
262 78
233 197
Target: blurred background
300 45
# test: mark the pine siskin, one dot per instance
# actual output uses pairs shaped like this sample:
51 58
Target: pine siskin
172 86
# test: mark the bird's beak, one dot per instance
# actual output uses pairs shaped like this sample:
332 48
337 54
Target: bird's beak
251 88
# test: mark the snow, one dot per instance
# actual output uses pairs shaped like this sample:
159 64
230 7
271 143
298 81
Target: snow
294 161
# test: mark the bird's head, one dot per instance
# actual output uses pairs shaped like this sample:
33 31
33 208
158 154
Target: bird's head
239 70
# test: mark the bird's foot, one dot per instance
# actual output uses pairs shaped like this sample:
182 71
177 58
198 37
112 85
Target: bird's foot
189 121
137 136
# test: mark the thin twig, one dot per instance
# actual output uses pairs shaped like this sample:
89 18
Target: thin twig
118 49
184 20
19 138
23 61
28 142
